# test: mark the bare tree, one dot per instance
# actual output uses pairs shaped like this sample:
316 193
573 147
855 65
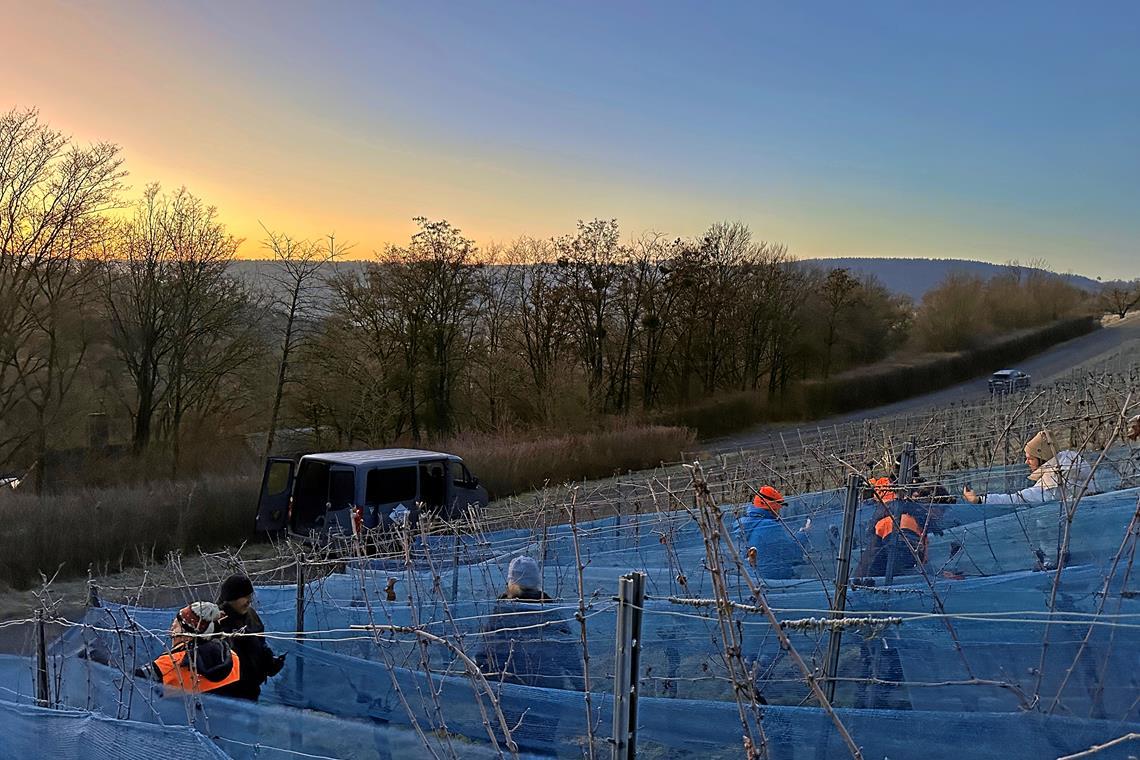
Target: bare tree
543 322
51 194
759 309
301 270
443 264
634 278
377 322
589 263
421 299
1120 297
787 323
210 335
660 292
63 323
179 324
496 289
840 293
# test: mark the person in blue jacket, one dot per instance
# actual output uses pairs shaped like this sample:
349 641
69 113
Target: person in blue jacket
774 549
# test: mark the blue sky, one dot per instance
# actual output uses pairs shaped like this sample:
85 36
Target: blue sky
994 131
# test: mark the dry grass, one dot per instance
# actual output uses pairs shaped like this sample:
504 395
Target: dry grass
508 465
117 527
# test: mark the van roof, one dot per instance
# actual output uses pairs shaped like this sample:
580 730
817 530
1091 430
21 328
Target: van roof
379 456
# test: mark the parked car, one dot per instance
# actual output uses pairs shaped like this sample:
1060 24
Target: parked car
1008 381
325 493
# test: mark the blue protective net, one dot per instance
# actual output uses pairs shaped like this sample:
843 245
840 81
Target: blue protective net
40 732
975 651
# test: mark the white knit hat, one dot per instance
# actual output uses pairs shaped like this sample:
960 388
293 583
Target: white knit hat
199 617
1041 446
523 572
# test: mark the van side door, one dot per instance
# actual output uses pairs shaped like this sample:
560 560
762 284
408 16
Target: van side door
276 491
342 497
465 491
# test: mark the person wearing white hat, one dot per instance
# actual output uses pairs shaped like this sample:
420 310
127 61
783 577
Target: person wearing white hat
524 581
528 640
1056 475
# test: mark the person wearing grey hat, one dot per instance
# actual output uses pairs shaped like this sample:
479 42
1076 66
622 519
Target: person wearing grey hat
1057 475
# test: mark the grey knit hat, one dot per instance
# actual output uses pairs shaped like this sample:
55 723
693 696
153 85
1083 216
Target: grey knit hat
523 573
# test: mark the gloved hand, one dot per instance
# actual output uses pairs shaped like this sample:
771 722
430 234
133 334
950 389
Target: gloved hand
96 652
277 664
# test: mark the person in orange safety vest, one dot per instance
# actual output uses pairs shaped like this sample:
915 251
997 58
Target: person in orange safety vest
916 515
198 661
909 549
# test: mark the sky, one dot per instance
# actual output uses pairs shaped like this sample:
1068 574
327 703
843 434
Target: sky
979 130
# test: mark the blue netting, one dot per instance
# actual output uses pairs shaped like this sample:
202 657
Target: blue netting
977 652
71 734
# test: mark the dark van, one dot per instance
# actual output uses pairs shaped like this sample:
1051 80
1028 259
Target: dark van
324 493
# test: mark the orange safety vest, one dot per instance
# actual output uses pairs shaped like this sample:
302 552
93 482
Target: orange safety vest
885 526
884 489
176 673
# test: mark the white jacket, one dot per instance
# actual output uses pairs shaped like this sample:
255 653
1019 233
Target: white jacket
1061 478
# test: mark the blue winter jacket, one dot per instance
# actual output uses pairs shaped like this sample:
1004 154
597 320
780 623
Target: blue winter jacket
777 553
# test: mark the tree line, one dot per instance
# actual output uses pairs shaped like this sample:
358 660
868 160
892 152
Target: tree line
130 309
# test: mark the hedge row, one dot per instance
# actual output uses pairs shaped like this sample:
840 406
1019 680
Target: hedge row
866 389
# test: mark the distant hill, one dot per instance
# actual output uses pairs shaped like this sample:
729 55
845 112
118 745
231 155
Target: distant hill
911 276
916 276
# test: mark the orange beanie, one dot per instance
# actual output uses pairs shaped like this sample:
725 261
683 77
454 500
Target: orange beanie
769 498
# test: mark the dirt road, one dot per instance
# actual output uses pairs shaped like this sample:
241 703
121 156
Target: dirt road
1118 337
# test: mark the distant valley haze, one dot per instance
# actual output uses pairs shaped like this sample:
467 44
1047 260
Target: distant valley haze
912 277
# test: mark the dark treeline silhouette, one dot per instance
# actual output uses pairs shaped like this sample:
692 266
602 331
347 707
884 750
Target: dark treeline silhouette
122 327
438 336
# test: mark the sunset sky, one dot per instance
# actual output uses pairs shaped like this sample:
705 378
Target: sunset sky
991 131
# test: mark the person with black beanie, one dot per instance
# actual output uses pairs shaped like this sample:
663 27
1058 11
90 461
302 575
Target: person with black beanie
235 598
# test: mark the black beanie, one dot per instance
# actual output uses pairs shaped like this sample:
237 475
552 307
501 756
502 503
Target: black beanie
234 587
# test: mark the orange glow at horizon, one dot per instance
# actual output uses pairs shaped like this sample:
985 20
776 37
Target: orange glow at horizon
339 119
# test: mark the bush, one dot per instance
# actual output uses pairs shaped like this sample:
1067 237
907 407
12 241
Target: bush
115 527
729 413
510 465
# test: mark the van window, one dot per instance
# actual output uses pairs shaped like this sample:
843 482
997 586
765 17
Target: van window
463 477
390 485
278 480
433 483
342 489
